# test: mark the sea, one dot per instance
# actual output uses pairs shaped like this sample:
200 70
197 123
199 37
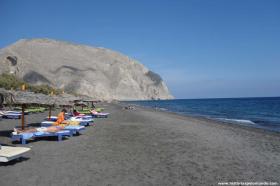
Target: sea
261 112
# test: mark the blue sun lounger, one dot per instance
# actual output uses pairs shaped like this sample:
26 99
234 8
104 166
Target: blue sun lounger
47 123
11 116
26 136
100 115
52 118
75 129
84 121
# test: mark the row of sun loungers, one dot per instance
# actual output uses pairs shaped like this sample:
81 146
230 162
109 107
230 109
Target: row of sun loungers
18 115
8 153
69 130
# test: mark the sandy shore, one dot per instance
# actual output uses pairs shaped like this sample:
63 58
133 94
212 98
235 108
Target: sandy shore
146 147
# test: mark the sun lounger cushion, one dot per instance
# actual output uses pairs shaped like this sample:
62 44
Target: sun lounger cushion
100 115
75 129
9 153
84 121
52 118
27 135
13 112
47 123
71 123
12 116
46 134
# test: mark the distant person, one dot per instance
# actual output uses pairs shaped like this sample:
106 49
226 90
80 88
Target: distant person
94 111
60 117
76 113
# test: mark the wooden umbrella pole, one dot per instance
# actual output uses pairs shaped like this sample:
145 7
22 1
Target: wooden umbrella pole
22 116
50 112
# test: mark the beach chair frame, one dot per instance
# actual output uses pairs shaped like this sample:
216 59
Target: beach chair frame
60 135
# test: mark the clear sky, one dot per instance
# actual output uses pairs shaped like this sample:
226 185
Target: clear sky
201 48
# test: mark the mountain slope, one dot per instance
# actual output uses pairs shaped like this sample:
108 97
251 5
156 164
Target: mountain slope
96 72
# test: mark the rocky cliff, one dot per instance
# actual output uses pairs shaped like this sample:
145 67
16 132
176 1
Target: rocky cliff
96 72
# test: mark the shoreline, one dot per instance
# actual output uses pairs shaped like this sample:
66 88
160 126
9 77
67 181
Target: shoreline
146 147
208 119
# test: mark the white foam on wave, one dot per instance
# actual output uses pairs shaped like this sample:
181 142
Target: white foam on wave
245 121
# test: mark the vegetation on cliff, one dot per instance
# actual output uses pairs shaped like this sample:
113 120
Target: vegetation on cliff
11 82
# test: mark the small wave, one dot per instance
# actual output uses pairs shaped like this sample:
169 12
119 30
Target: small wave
160 108
244 121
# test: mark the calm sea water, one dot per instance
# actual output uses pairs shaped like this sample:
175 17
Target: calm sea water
255 112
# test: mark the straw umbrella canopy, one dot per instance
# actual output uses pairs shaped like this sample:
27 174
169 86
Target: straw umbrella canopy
80 103
65 100
90 101
87 100
24 98
31 98
68 100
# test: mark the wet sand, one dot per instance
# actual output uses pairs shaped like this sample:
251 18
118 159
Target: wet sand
146 147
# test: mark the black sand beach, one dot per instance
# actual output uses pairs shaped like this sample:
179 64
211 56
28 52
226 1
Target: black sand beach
146 147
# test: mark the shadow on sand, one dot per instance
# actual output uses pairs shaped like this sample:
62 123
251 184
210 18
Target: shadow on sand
47 138
6 133
13 162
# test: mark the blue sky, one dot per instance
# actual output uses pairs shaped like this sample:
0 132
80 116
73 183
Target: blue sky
201 48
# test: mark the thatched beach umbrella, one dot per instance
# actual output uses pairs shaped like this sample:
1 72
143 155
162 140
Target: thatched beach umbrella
24 98
81 104
64 100
91 102
31 98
